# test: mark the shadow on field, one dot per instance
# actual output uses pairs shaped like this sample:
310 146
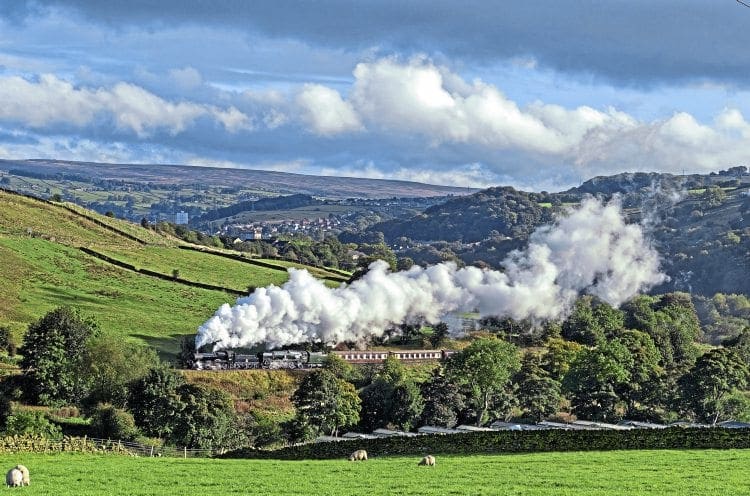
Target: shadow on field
166 347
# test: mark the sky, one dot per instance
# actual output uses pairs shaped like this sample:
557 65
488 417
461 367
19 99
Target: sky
536 94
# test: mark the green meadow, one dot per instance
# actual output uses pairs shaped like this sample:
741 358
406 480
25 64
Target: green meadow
42 267
596 473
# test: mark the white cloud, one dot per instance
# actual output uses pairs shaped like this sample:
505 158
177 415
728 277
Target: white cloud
470 175
420 99
187 78
51 100
326 112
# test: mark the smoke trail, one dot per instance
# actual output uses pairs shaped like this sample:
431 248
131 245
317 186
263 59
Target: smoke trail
591 250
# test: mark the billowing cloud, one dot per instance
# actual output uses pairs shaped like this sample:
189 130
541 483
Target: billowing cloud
592 250
51 100
326 112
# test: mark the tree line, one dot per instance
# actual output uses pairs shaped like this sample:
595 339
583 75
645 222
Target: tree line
643 362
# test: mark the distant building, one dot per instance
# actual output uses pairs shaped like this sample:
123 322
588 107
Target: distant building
181 217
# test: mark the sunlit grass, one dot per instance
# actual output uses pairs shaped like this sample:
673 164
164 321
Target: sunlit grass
597 473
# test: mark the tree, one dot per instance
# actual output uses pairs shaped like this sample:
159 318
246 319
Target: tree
673 325
7 342
443 400
391 399
483 368
155 401
644 371
594 378
558 357
111 365
538 394
592 321
326 403
376 400
407 405
714 377
6 410
439 333
54 351
713 196
339 367
205 420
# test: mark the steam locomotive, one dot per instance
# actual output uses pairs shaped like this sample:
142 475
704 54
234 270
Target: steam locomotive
301 359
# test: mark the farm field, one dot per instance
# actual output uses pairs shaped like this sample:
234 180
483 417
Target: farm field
203 267
709 472
39 275
42 268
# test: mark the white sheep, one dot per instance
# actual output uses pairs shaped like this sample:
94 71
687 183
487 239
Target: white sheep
359 455
428 461
25 472
14 478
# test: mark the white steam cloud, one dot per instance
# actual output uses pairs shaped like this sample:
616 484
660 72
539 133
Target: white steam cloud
591 250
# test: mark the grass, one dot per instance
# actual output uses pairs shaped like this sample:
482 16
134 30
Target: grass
38 275
586 474
42 268
196 266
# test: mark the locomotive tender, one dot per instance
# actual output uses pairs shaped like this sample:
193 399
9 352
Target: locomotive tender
300 359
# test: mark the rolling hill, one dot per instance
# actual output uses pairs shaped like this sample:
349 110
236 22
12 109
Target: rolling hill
137 283
700 225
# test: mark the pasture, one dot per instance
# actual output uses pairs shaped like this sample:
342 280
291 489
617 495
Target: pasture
708 472
41 268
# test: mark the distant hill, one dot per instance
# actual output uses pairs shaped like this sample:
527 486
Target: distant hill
699 223
263 182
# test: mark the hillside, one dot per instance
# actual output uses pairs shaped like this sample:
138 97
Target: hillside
262 183
699 223
136 294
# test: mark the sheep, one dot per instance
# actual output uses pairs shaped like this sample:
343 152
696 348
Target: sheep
359 455
428 461
25 472
14 478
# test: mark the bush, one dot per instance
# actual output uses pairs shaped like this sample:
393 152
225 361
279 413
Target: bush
109 422
32 424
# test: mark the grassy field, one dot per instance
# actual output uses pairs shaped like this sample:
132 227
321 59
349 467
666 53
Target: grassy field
196 266
42 268
38 275
611 473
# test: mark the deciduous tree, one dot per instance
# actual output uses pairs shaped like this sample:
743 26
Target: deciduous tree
53 352
483 369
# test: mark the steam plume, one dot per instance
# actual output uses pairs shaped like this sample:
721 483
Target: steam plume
591 250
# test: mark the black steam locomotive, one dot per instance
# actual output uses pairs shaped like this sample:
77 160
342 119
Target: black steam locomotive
231 360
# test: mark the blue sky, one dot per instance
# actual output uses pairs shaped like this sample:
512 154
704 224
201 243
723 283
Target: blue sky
538 94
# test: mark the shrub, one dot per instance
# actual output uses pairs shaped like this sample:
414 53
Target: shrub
113 423
32 424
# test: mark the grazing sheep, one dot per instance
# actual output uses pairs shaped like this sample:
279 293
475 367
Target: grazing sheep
14 478
25 472
428 461
359 455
